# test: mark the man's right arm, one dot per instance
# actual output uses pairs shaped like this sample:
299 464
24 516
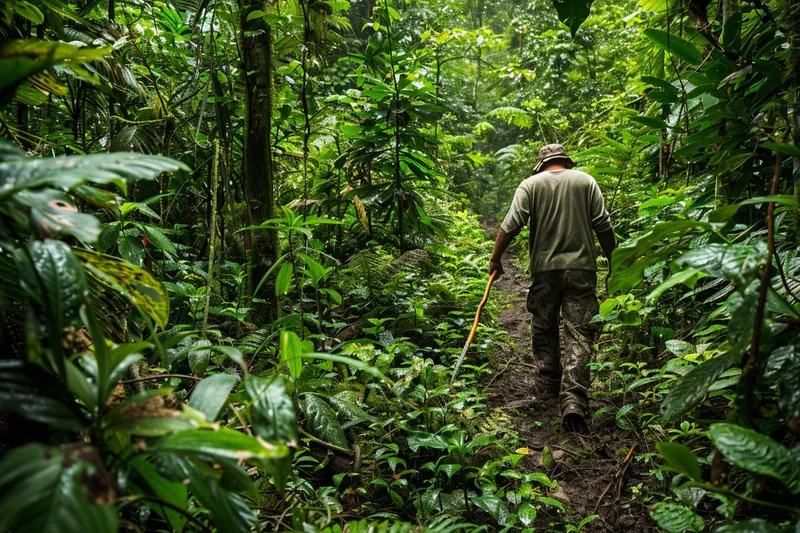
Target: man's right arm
516 218
500 246
608 243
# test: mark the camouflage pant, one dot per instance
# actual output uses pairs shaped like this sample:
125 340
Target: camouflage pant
570 293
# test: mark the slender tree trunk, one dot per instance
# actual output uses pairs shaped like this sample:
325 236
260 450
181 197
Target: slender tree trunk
256 54
212 233
790 19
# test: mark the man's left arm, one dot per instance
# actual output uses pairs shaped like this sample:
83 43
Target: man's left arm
601 224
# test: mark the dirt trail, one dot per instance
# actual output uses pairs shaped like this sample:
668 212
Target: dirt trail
592 472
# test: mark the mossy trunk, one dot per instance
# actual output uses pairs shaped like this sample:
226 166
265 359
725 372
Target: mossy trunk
256 54
790 20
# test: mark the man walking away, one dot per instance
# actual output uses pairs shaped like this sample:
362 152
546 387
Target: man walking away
562 207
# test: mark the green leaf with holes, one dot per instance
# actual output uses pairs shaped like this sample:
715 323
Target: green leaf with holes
144 291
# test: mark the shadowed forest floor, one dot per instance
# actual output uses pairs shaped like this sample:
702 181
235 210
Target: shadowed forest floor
594 471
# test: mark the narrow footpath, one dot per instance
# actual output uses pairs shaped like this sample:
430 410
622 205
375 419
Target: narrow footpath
597 473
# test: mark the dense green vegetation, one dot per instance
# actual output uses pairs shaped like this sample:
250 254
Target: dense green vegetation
241 244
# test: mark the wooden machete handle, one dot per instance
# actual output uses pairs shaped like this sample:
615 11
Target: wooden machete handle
480 307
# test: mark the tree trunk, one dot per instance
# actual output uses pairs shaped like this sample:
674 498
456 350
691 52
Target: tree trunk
790 20
256 53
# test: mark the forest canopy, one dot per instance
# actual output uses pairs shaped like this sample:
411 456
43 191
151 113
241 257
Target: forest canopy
242 244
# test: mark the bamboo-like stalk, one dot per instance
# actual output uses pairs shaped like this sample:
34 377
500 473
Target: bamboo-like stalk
212 232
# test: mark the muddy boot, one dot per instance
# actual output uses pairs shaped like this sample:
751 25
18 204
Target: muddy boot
544 392
574 420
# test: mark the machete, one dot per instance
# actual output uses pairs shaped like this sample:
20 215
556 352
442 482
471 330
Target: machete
474 326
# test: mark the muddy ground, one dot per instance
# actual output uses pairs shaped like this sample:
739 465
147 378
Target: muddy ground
592 472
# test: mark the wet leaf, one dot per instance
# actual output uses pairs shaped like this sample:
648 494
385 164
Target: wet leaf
676 46
681 459
756 453
756 525
29 391
693 387
321 420
211 394
230 512
45 491
736 262
573 12
139 285
225 443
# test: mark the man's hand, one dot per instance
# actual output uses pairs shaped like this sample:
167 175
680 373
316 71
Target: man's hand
496 264
500 245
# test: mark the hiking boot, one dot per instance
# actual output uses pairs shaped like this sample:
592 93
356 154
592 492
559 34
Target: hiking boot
573 419
542 393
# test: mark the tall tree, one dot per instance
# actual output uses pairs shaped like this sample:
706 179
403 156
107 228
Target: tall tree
256 57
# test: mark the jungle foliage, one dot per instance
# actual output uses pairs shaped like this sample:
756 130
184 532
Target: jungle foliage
241 243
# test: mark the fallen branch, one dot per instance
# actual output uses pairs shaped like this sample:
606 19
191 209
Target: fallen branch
332 447
159 376
617 476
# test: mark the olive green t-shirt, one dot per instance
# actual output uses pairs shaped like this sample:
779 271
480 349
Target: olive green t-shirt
563 208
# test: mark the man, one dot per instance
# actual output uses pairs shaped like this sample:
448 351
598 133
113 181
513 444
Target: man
563 207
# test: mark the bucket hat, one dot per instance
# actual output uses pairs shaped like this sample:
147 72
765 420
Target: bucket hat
550 152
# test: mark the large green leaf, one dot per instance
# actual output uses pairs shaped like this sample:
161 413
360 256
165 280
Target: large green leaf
53 214
756 525
756 453
22 59
321 420
681 459
272 411
148 481
56 281
225 443
69 171
693 387
630 261
146 292
650 122
675 45
494 505
29 391
211 394
736 262
742 307
783 368
230 512
274 420
573 12
426 440
292 353
284 279
676 518
45 491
